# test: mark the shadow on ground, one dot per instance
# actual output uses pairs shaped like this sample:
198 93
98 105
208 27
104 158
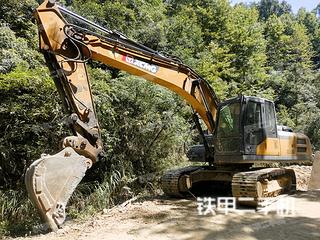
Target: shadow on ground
182 221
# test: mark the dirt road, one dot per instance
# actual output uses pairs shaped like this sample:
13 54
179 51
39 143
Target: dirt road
293 217
178 219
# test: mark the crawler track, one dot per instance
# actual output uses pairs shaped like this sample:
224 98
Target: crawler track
257 186
264 183
170 181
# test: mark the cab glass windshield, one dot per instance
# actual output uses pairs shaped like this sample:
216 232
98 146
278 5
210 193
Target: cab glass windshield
229 119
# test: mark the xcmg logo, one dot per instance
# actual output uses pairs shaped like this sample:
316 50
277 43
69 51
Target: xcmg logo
140 64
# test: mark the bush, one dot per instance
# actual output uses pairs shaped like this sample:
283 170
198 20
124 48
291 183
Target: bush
30 124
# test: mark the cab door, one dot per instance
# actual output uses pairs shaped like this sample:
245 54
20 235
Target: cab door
227 136
254 133
271 145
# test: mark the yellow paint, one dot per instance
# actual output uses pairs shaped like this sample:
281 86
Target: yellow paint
284 146
288 146
269 147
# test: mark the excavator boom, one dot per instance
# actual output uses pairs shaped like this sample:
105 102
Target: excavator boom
74 45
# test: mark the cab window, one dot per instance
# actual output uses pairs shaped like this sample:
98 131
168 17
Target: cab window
253 128
229 120
271 122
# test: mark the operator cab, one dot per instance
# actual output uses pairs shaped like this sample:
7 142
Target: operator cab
242 124
246 132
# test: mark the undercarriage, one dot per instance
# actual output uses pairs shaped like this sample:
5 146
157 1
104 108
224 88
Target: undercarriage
251 185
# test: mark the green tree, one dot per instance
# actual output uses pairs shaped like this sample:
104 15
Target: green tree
15 51
287 44
31 122
237 56
144 125
291 70
213 17
184 35
312 24
268 8
17 15
140 20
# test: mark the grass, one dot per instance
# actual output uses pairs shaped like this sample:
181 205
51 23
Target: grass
19 217
92 197
17 214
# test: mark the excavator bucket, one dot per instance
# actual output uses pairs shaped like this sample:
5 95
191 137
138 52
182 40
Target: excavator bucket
51 180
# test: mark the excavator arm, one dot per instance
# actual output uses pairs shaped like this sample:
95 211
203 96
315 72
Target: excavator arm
67 47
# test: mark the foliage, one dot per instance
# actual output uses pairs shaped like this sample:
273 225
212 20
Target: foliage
184 35
15 51
17 15
140 20
30 124
141 120
17 214
246 51
268 8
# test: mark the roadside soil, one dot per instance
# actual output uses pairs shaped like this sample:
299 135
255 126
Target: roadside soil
291 217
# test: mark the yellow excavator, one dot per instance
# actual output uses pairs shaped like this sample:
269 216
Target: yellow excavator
240 132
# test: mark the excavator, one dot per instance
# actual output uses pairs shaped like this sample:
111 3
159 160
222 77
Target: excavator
240 132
